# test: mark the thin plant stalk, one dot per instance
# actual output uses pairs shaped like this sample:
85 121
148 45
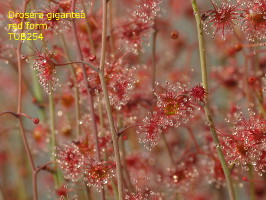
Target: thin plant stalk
53 142
108 105
123 158
153 83
38 95
168 150
193 138
72 70
19 61
22 131
111 24
207 105
88 28
153 87
29 155
100 110
252 184
89 92
87 191
126 172
102 134
260 104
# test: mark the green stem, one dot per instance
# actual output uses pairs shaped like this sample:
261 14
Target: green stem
207 105
115 190
1 195
37 90
53 136
252 185
19 108
260 103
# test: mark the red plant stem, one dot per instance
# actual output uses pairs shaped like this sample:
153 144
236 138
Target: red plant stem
254 45
88 28
24 138
126 128
89 91
9 112
80 62
256 181
111 24
34 178
42 167
29 155
19 61
193 138
17 115
126 175
108 105
168 149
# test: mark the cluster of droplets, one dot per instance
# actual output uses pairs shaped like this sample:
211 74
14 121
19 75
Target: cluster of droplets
64 193
134 31
71 161
75 197
120 81
213 172
182 176
150 132
177 105
143 194
97 174
221 18
86 121
43 63
254 19
132 35
247 143
174 107
54 25
76 161
249 15
147 10
229 76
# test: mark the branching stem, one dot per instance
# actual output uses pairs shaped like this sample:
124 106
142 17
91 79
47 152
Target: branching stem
108 105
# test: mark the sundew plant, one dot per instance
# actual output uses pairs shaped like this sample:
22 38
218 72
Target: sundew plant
132 100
